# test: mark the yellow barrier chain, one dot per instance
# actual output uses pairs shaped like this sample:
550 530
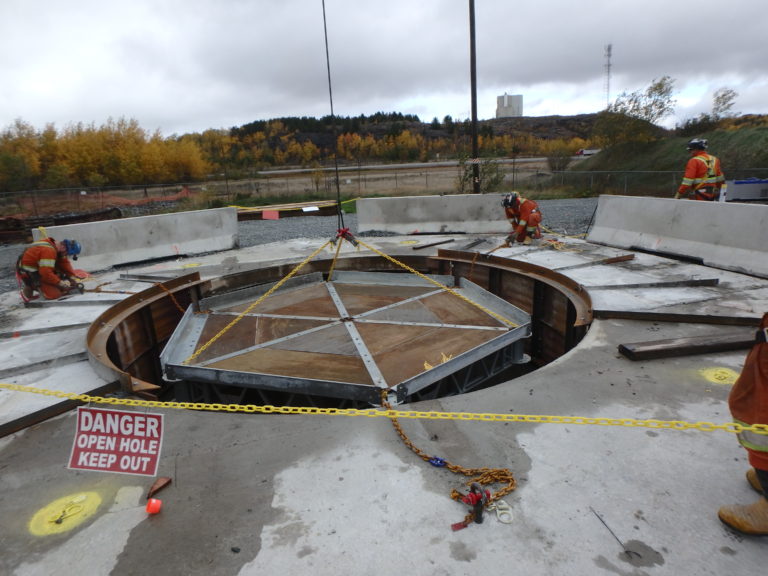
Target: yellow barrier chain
733 427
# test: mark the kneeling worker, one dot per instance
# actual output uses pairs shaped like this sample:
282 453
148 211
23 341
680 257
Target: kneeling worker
525 217
44 266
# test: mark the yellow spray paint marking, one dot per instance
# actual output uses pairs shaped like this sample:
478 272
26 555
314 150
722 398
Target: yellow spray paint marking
428 366
405 242
191 265
723 376
64 514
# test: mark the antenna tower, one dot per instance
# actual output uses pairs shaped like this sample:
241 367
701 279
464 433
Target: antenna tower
608 49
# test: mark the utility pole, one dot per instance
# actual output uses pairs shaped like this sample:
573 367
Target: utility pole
608 50
473 73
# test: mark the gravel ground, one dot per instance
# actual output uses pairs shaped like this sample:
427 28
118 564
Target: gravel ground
570 217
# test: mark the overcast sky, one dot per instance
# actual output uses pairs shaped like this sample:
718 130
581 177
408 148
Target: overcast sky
183 66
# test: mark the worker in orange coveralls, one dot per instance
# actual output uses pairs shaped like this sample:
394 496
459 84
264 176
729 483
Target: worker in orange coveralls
703 177
44 266
525 217
748 402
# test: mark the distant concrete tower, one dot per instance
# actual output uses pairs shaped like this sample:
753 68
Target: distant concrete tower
509 106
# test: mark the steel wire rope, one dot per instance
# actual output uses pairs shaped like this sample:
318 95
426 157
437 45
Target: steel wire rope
339 211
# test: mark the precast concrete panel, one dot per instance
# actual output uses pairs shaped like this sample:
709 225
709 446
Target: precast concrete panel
127 240
464 213
722 235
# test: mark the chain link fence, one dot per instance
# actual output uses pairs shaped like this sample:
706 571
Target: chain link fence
66 205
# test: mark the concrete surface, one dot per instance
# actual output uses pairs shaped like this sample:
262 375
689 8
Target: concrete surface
129 240
268 494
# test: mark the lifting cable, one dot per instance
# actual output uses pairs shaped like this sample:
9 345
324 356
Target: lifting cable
339 211
342 235
258 301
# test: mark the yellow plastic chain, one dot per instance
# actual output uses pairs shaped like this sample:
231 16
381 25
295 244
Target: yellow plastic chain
733 427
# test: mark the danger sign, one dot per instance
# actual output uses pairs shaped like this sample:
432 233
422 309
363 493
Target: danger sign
117 441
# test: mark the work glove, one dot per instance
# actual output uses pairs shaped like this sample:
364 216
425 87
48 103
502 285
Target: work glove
510 239
65 284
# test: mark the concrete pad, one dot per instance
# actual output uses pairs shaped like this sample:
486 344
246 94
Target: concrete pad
77 378
26 350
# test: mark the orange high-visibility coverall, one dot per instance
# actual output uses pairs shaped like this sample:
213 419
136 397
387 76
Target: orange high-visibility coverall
525 219
43 258
748 399
703 178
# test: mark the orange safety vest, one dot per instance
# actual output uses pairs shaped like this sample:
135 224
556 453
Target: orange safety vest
703 177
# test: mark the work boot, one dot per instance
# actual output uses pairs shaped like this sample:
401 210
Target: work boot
28 292
752 519
753 480
527 241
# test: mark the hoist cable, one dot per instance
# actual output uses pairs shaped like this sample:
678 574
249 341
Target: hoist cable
339 211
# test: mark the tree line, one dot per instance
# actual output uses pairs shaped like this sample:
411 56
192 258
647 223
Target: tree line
120 152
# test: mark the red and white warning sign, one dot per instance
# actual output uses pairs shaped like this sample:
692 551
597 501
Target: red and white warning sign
117 441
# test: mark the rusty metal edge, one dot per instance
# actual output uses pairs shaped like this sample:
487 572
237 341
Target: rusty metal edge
100 331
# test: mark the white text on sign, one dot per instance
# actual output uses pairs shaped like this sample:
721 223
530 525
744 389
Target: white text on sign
117 441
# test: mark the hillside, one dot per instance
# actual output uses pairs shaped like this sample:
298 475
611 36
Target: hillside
320 131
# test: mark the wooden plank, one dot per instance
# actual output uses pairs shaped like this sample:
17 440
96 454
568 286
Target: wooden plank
674 317
670 284
433 244
613 260
687 346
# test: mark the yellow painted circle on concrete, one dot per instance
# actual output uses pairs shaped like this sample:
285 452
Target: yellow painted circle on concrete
719 375
64 514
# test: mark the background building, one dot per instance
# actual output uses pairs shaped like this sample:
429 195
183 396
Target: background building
509 105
